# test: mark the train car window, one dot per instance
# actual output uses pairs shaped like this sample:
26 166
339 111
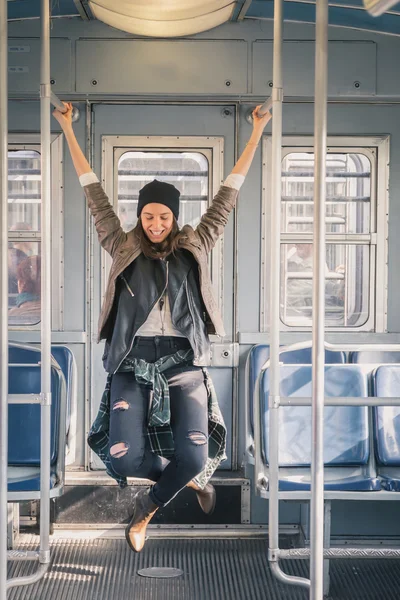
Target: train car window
24 180
194 164
355 241
187 171
348 193
348 208
346 296
24 235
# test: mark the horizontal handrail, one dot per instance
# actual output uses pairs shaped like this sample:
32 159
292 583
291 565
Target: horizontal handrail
59 105
30 579
24 399
304 553
338 348
22 555
265 107
338 401
24 364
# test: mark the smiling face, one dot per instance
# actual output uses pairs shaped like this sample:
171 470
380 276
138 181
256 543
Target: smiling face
157 221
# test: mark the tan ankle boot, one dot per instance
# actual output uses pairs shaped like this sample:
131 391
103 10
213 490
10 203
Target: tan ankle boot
206 497
143 511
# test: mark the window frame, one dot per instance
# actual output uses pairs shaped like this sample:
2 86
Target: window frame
31 141
114 146
376 149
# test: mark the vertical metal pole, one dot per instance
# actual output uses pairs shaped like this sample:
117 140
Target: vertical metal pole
3 293
327 544
318 349
275 258
276 176
45 115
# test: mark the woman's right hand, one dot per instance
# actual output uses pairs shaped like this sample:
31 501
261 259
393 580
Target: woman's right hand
65 119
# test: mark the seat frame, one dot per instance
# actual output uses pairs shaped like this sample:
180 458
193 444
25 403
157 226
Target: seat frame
58 488
253 458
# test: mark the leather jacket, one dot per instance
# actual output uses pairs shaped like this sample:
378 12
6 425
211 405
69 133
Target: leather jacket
124 248
140 287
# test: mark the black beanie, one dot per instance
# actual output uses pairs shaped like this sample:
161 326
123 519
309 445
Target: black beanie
161 193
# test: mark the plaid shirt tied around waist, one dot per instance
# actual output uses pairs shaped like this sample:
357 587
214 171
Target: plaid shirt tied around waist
158 429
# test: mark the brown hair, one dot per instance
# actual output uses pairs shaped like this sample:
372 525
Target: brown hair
164 248
29 275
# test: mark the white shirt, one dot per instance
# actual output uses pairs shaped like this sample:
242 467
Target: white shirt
159 322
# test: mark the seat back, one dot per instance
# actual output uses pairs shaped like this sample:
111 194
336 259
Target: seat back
63 356
65 359
346 431
374 357
259 354
24 419
386 383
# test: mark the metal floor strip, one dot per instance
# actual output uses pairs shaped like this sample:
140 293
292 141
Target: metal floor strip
101 569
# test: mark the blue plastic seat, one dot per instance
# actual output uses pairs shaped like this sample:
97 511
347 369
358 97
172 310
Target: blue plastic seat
63 356
386 383
24 434
259 354
346 431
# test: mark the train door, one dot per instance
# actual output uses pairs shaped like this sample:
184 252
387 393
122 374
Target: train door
191 146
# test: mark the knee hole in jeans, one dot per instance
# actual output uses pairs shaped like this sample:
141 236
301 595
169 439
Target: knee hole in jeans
197 438
119 449
120 404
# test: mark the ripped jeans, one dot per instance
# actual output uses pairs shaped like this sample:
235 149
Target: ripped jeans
129 449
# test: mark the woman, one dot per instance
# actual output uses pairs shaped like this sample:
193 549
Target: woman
159 418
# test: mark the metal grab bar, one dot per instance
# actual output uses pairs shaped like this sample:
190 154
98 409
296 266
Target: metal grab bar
24 399
317 517
351 347
22 555
289 579
304 553
30 579
266 107
59 105
276 101
45 357
261 477
341 401
3 293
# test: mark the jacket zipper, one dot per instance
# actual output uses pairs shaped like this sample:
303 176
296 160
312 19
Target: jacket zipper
133 339
189 299
161 300
127 285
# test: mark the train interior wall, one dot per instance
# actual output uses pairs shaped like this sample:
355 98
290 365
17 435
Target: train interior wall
231 65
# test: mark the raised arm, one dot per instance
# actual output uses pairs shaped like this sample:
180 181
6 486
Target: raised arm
108 226
246 158
216 216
